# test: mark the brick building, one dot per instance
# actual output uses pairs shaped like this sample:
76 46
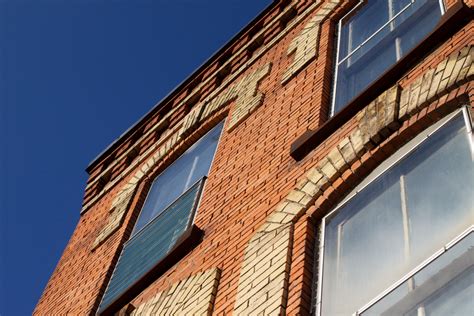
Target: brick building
321 162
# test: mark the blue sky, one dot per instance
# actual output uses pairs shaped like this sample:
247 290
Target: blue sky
74 75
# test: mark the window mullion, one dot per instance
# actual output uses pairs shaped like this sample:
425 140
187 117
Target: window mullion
398 44
406 228
406 237
375 33
337 67
191 173
339 253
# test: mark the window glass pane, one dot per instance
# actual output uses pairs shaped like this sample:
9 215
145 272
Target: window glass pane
376 36
191 166
364 22
356 227
424 16
398 220
440 190
444 287
455 299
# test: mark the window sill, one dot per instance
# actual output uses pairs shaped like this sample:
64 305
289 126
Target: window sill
451 22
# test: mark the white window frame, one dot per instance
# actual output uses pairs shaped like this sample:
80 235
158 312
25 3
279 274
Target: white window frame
338 39
417 269
381 169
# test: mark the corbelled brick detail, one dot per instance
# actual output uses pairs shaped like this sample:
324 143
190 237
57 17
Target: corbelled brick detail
192 296
247 97
375 123
255 190
197 110
305 45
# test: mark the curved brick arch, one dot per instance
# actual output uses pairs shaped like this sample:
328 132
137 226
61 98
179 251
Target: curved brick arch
268 253
191 296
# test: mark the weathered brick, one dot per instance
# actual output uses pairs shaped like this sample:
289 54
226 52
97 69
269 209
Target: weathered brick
346 150
425 86
458 66
415 89
328 169
404 99
314 175
358 141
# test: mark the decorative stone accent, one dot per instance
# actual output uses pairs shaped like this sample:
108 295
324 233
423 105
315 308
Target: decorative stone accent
192 296
268 249
119 207
256 56
263 282
435 82
375 123
379 118
247 99
305 45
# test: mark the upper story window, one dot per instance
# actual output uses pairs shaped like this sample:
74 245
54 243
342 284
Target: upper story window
165 221
403 243
189 168
375 35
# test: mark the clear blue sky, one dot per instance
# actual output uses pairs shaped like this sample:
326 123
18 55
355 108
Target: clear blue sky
74 75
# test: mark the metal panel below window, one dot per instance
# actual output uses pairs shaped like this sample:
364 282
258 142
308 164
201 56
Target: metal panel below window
152 244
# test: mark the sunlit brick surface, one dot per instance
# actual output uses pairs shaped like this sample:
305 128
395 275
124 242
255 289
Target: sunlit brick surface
260 208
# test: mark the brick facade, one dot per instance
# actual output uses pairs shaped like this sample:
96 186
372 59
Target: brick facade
260 208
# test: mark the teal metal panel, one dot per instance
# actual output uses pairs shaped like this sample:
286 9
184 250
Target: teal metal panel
152 244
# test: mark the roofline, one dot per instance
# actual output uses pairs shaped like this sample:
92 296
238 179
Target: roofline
118 141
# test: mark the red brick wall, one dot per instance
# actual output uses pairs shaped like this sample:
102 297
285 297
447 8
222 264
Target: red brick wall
252 172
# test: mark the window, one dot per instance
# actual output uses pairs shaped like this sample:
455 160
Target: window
166 218
383 235
191 167
375 35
